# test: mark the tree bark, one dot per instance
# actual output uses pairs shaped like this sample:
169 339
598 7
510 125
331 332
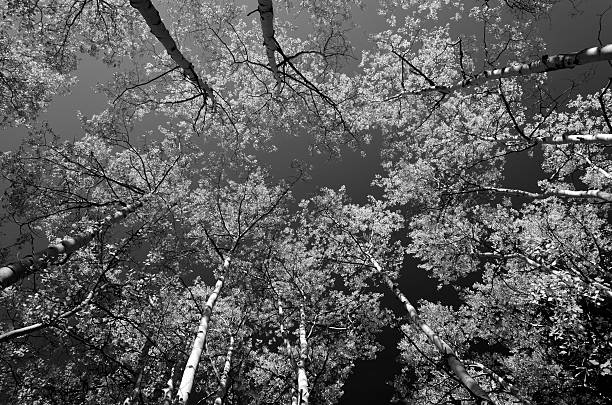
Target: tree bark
225 373
604 139
510 388
135 396
153 20
13 272
449 356
585 194
544 64
198 343
603 288
26 330
266 16
302 379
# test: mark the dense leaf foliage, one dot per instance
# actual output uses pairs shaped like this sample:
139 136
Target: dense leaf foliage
182 268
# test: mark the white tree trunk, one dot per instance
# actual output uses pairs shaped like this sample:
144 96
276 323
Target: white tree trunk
603 288
153 20
26 330
198 343
225 374
507 386
544 64
266 16
302 379
449 356
13 272
587 194
604 139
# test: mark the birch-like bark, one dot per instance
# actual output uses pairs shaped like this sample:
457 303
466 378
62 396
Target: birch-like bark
153 20
167 396
302 379
448 354
603 288
283 334
26 330
198 343
584 194
506 385
602 139
544 64
225 374
13 272
266 16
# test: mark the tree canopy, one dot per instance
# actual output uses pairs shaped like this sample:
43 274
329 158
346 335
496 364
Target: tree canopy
162 255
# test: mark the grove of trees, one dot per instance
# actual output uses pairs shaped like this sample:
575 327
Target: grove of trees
173 265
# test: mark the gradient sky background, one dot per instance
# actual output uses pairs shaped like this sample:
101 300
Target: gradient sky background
568 29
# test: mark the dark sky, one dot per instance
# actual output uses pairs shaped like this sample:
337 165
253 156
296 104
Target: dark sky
568 30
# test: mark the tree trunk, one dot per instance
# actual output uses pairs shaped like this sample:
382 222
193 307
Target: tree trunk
225 373
26 330
507 386
603 139
134 398
167 396
13 272
585 194
284 335
198 343
266 16
449 356
603 288
302 378
153 20
544 64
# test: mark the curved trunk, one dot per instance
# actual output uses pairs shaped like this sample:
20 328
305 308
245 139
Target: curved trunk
153 20
450 357
198 343
13 272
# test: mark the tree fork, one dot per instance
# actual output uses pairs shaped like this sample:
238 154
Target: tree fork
155 23
13 272
450 357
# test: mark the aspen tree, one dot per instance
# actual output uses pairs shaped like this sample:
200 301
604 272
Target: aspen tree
189 373
302 378
604 139
450 357
225 373
545 64
155 23
13 272
583 194
266 16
